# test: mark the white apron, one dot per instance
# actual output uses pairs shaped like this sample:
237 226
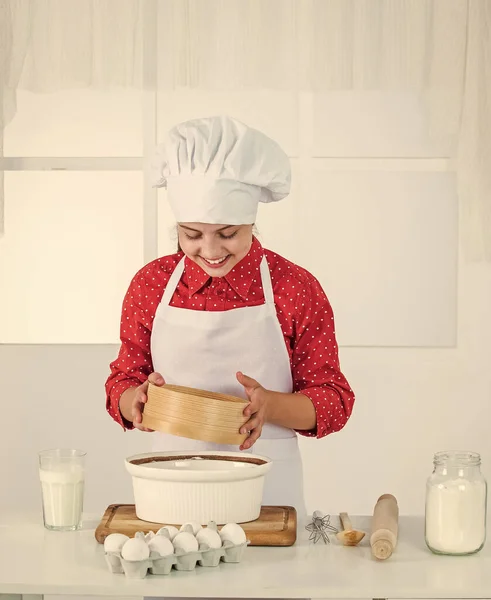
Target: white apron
205 350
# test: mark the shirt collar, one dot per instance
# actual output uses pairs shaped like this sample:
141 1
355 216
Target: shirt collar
240 277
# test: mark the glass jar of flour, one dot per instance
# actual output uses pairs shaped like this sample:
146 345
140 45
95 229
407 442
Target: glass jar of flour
456 500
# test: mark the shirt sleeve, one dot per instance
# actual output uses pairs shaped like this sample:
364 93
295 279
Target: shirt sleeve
133 364
315 362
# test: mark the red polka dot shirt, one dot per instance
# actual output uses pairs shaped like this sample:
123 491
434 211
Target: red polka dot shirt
303 310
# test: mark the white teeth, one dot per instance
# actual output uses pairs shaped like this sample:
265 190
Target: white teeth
215 262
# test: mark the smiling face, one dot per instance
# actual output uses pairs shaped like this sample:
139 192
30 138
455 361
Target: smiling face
215 248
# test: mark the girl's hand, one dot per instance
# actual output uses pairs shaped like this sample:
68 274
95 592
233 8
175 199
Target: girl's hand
256 409
141 398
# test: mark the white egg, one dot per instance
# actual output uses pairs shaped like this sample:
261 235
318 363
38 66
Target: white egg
186 542
114 542
187 528
210 537
233 533
194 526
135 549
162 545
149 536
170 529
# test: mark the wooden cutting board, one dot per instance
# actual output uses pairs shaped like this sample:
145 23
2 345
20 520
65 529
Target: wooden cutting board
276 525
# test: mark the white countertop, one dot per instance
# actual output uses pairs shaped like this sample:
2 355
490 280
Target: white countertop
36 561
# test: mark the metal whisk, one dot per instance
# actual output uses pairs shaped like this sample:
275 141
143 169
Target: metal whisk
320 527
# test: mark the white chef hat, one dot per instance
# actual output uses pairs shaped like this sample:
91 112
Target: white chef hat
217 170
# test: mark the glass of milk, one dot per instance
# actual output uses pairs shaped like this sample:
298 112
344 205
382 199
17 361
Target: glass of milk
62 474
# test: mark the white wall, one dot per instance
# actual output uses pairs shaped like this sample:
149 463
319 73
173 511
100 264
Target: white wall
412 321
410 404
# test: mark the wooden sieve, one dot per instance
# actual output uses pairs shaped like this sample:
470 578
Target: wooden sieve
195 414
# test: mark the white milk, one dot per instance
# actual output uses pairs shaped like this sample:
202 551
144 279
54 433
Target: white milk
63 496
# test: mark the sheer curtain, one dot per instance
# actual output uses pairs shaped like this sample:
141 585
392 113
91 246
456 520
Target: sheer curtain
438 48
474 152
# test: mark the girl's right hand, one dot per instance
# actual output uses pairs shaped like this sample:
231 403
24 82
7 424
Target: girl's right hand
141 398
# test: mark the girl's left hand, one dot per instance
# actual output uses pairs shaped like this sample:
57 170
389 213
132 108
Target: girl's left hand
256 409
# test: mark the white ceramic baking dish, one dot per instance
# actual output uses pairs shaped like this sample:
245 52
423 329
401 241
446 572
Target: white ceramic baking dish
177 487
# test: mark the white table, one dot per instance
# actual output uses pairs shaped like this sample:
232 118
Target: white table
34 561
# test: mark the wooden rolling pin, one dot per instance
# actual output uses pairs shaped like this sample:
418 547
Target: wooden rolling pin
385 524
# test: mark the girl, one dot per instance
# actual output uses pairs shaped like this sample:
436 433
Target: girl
226 315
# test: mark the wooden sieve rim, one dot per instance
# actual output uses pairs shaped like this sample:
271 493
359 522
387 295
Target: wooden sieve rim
187 391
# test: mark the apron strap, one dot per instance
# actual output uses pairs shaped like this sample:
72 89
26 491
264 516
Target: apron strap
171 286
266 281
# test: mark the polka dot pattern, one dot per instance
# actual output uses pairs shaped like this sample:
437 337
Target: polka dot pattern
304 313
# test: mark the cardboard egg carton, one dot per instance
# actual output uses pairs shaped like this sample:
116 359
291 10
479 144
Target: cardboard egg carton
179 560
